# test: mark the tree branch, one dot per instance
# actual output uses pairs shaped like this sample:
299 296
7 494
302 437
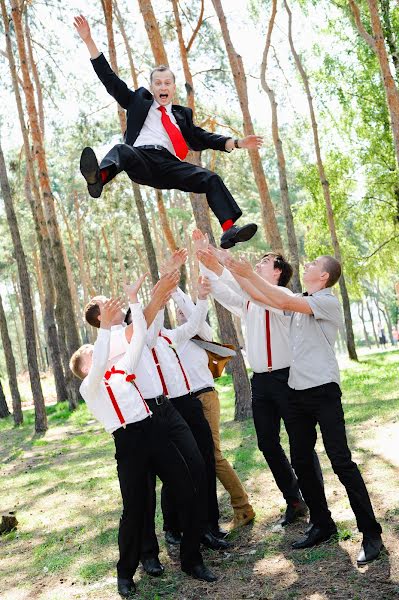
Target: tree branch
360 27
197 27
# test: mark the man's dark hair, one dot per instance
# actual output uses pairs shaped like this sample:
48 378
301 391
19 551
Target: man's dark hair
162 69
333 268
283 266
92 312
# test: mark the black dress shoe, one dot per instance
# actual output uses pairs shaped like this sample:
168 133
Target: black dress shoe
370 549
214 543
315 536
91 172
308 527
126 587
173 537
294 512
152 566
201 572
235 234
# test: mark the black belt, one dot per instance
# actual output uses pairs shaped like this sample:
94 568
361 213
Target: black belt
204 390
152 147
154 402
182 397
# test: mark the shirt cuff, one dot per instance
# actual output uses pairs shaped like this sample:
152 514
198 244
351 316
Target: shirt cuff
226 276
202 302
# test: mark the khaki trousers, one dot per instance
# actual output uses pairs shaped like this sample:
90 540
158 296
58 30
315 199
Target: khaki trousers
224 471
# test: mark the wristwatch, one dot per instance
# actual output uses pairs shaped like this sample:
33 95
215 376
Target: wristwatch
236 143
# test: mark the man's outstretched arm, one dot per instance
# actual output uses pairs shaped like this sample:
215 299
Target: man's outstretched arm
114 86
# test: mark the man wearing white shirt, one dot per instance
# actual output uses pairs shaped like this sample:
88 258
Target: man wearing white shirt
195 361
142 443
179 435
315 398
268 353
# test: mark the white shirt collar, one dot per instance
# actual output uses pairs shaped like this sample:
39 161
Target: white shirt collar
168 107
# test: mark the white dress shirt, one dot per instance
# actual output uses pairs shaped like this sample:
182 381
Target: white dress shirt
194 359
110 396
166 356
153 132
266 328
147 377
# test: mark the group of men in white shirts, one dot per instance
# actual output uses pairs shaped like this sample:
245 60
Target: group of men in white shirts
152 390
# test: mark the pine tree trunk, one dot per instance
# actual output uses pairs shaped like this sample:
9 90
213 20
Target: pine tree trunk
361 316
243 405
153 32
64 297
371 315
29 327
237 69
10 366
350 338
46 294
282 171
4 412
145 229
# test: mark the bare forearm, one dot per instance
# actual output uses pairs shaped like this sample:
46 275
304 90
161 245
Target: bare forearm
92 48
269 294
152 309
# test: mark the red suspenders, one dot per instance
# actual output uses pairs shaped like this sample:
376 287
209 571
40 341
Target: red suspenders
268 339
130 379
178 360
161 377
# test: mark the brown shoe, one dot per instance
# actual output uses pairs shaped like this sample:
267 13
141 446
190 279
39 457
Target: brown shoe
243 516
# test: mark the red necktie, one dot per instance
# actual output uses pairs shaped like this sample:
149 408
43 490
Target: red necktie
174 133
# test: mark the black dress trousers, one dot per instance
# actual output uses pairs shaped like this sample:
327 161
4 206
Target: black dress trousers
270 400
322 405
161 444
162 170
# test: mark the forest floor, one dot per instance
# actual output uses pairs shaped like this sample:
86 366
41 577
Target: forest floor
64 488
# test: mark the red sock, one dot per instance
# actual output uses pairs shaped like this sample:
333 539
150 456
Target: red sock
104 175
227 224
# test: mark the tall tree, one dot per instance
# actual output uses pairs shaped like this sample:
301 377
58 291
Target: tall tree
33 195
64 296
350 338
240 81
377 44
29 323
11 369
278 146
138 198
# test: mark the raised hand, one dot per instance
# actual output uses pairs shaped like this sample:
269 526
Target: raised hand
201 241
204 287
109 310
132 289
251 142
240 267
220 253
207 258
167 283
175 261
82 27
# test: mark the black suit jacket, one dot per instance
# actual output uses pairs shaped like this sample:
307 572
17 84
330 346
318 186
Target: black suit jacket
137 104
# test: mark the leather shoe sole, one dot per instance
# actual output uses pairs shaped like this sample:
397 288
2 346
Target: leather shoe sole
242 234
91 172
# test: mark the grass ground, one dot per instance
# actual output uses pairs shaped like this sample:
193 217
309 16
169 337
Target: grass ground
64 488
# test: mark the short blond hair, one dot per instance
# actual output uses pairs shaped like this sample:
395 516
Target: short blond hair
75 364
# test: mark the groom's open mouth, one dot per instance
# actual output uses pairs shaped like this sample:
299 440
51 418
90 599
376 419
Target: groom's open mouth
164 96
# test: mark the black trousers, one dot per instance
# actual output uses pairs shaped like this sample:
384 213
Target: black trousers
322 405
270 400
161 444
190 408
162 170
